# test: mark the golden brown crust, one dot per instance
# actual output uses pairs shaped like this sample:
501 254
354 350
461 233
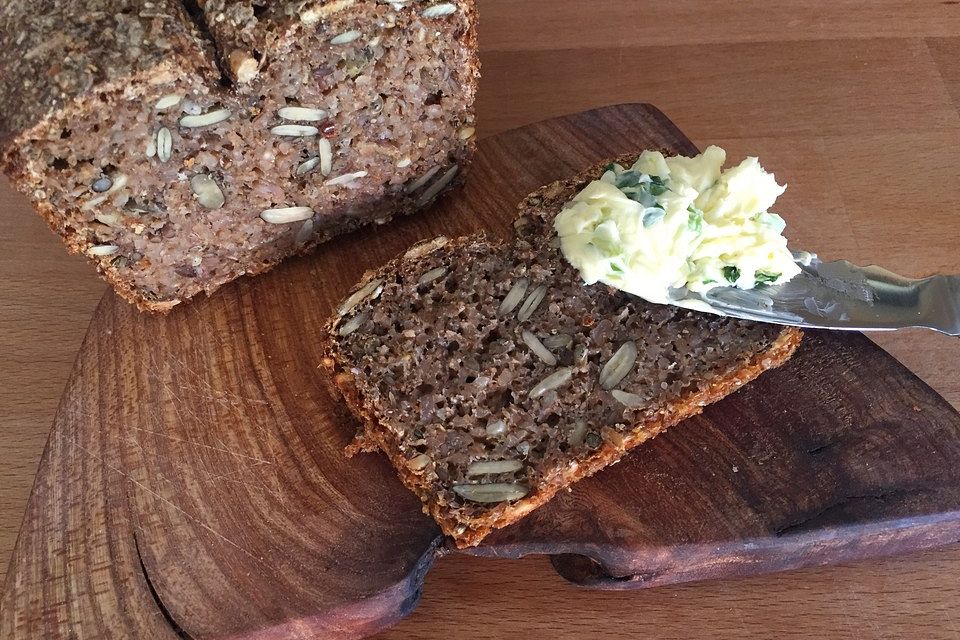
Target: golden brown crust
469 532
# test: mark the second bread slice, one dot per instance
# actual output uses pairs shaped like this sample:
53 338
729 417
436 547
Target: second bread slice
492 377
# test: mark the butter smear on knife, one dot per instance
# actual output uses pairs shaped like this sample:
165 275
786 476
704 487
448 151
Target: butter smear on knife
670 225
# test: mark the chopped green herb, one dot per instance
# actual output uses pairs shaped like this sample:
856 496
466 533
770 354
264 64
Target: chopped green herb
611 167
731 273
628 179
658 189
657 180
695 220
709 281
765 278
615 268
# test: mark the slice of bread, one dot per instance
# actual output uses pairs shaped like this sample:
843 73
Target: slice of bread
492 377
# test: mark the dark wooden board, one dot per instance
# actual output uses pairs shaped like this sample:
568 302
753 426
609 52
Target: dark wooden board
194 483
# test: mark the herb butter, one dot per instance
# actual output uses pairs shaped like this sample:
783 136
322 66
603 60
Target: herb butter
668 225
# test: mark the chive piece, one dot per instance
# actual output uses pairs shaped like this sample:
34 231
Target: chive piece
709 281
731 273
657 189
765 278
695 220
615 268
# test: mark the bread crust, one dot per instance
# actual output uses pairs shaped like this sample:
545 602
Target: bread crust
470 531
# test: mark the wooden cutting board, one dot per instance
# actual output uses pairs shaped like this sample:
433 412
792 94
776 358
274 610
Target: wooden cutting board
194 484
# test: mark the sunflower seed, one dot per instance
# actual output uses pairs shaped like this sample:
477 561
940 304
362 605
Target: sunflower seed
467 132
305 232
422 180
103 250
295 130
345 178
496 428
284 215
439 10
556 379
404 163
418 462
353 324
302 114
370 290
618 366
164 144
575 437
432 275
307 166
514 296
438 186
628 399
530 305
208 192
538 348
168 101
494 492
345 37
152 146
483 467
101 185
558 341
326 156
206 119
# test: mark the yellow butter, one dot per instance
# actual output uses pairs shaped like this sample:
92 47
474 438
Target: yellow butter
674 223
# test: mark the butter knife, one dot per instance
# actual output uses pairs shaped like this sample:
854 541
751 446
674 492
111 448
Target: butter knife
842 295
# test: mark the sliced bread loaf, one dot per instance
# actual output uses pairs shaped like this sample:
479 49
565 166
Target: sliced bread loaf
492 377
179 145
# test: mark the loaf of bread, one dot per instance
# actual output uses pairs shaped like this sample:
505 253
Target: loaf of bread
181 144
492 377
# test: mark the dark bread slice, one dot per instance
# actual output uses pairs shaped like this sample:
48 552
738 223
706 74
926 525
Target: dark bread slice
424 354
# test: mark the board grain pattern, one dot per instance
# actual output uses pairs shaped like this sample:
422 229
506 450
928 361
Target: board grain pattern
194 484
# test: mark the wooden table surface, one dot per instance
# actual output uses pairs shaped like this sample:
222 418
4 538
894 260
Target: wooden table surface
855 104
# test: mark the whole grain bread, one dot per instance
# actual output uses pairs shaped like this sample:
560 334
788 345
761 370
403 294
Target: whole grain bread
492 377
181 144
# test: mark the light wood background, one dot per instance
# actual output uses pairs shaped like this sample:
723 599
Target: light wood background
855 104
